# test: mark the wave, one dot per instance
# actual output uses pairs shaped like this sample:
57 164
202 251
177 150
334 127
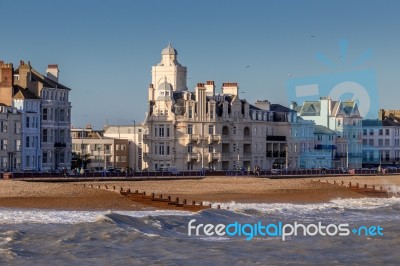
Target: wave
37 216
361 203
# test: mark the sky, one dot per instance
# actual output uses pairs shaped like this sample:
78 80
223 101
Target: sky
105 49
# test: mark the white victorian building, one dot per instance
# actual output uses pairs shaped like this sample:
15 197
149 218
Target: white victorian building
205 129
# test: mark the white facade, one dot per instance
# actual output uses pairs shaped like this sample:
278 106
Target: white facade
31 122
381 142
134 135
344 119
56 124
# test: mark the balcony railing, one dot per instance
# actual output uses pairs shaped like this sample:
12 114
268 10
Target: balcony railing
276 138
214 138
216 156
193 156
60 145
146 137
193 138
276 154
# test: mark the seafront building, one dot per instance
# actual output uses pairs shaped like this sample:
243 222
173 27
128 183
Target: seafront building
206 129
10 139
134 134
344 119
381 139
99 153
46 115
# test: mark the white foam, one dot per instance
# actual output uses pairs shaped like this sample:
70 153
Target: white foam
338 204
36 216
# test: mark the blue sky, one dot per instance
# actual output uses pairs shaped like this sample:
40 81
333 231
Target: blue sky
105 49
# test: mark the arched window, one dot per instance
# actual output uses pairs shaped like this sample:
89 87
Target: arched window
225 130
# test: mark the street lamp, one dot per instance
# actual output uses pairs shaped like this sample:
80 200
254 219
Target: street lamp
134 146
98 162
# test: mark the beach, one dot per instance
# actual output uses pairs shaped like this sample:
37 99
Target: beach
74 196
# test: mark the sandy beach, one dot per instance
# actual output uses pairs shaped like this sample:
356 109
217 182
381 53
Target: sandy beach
73 196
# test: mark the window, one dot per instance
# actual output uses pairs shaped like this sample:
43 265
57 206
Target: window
212 113
364 142
387 142
371 142
161 131
387 132
155 130
364 132
161 149
167 131
27 121
27 142
210 129
371 132
380 132
339 122
3 144
3 126
4 161
190 129
62 157
123 159
123 147
167 149
210 148
380 142
62 115
17 145
62 136
190 112
234 130
17 127
44 115
189 148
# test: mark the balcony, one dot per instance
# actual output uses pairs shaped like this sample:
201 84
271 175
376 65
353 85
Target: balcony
276 138
351 154
60 145
146 156
325 147
276 154
214 138
193 138
193 156
216 156
146 137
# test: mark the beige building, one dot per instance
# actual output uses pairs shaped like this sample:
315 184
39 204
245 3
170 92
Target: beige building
102 153
134 134
205 129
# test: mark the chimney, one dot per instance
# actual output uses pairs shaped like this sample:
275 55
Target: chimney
230 88
263 105
210 88
293 105
201 101
52 72
6 83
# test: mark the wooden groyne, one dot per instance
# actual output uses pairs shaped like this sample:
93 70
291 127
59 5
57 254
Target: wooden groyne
157 201
368 190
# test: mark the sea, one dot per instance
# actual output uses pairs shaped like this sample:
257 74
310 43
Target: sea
161 237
